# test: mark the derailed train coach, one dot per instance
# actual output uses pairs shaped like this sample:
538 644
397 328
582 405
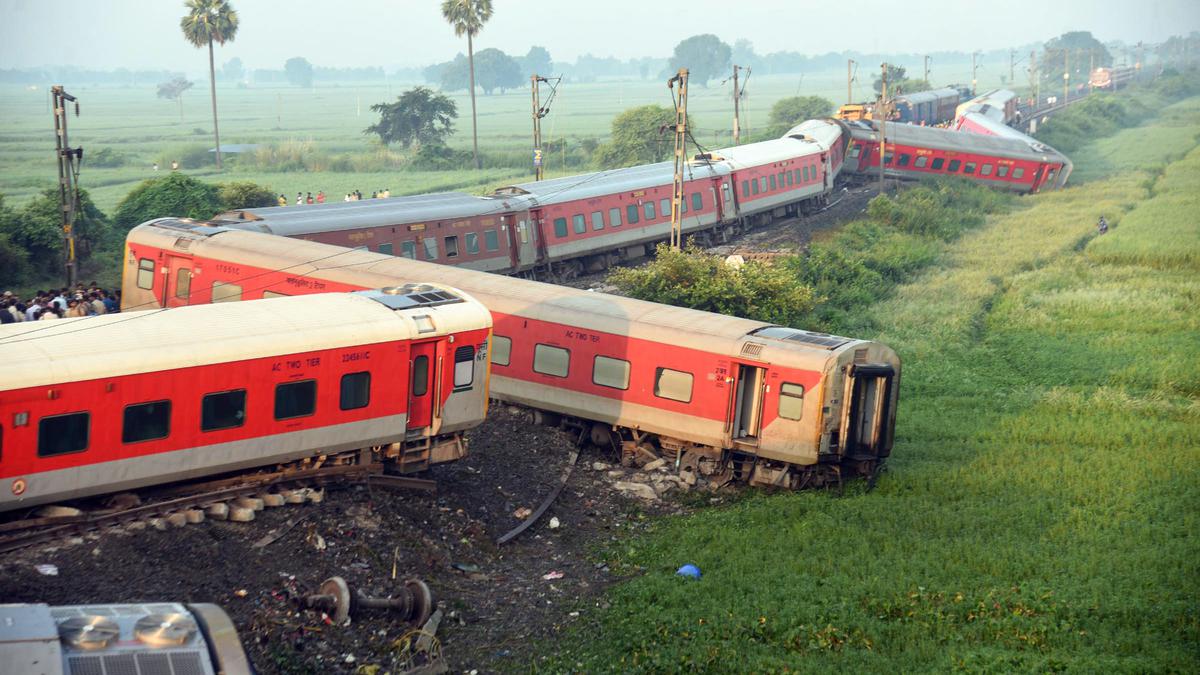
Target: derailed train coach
724 397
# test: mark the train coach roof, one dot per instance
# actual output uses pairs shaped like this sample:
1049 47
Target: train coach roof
585 310
40 353
955 141
603 183
769 152
931 95
290 221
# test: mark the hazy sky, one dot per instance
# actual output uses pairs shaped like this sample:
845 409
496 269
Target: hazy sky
145 33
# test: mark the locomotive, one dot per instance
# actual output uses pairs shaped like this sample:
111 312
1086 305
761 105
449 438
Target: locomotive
94 405
724 397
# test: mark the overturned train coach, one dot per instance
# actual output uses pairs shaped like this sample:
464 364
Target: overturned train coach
95 405
1009 161
722 396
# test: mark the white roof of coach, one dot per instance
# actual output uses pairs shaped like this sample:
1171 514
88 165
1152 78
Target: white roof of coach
290 221
823 132
956 141
40 353
603 183
768 152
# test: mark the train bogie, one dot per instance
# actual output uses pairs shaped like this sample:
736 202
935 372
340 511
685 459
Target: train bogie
640 377
100 404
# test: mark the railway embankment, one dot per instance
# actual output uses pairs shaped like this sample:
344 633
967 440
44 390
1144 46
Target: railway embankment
1039 510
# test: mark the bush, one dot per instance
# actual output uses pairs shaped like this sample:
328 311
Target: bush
441 157
699 280
107 158
37 229
245 195
192 156
171 195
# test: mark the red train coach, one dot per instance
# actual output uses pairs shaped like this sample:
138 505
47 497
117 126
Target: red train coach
579 223
94 405
721 395
1000 162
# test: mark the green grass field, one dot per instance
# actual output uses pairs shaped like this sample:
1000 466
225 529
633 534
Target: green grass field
1040 511
329 120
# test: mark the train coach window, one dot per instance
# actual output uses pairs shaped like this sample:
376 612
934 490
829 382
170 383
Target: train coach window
921 161
904 158
1002 171
408 249
579 223
673 384
683 207
790 178
386 248
937 163
608 372
804 173
631 212
1018 174
430 248
772 177
597 220
183 283
954 164
223 410
855 151
664 207
62 434
452 246
295 399
464 367
614 217
420 375
549 360
490 241
472 242
145 274
356 391
791 401
649 211
762 184
754 186
697 201
501 350
969 168
225 292
146 422
745 188
560 227
985 170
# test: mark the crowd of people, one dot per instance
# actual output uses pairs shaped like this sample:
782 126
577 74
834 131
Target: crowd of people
303 198
62 303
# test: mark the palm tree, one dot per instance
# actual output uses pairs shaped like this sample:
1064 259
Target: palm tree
468 16
209 21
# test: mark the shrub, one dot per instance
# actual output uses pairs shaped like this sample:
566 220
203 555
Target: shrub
107 158
245 195
171 195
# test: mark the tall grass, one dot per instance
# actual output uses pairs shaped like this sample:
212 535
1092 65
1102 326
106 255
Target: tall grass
1041 508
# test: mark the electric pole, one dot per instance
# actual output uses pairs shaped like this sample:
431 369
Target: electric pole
538 171
882 126
737 98
974 71
1066 76
1091 69
1012 68
68 175
680 159
1035 82
927 60
849 78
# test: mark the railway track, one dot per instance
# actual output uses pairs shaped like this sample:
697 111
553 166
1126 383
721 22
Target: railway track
19 534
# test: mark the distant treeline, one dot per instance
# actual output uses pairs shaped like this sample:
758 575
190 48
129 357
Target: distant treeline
77 75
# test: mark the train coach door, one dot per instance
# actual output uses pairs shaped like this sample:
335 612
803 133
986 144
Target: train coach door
866 411
178 287
423 384
748 393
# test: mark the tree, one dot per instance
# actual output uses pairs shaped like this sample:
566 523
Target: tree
299 71
206 22
419 116
174 194
895 75
467 17
245 195
705 57
37 228
233 70
497 70
536 62
1074 51
639 136
743 54
173 89
14 259
788 112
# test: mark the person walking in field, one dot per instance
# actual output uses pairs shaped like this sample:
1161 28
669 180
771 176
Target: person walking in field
320 196
282 200
299 199
309 199
1102 226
